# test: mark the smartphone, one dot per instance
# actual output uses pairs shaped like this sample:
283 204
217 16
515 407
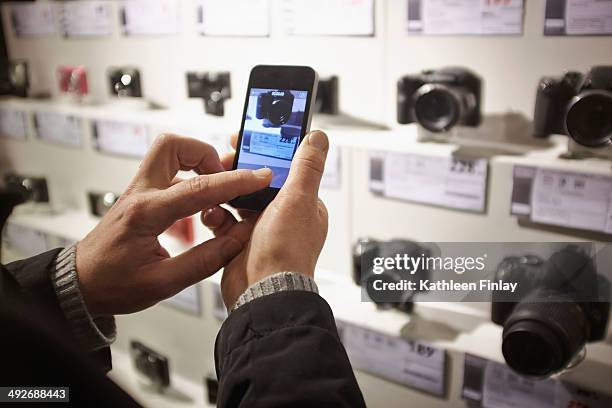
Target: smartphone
276 117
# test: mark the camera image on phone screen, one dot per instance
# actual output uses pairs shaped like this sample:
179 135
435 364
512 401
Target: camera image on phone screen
272 129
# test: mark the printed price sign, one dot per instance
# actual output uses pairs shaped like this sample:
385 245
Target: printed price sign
13 124
58 128
578 17
34 19
566 199
121 138
333 17
447 181
272 145
332 174
187 300
150 17
468 17
409 362
250 18
86 18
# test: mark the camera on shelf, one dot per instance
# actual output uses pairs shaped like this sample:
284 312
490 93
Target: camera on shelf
151 364
275 107
15 78
327 96
101 203
366 250
213 87
32 189
561 304
576 105
125 82
440 99
72 80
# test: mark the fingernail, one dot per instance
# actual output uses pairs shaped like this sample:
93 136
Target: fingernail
263 173
230 248
319 140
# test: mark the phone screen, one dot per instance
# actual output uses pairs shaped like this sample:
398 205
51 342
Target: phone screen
271 131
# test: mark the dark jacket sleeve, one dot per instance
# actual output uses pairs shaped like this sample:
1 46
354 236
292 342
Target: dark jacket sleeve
283 350
27 290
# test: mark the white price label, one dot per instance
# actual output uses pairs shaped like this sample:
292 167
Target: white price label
471 17
151 17
122 138
587 17
409 362
333 169
13 124
571 200
87 18
439 180
27 241
34 19
249 18
332 17
187 300
59 128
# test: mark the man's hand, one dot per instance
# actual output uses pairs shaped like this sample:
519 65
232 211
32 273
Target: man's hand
121 266
289 234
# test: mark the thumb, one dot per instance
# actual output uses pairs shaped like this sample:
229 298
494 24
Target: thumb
308 165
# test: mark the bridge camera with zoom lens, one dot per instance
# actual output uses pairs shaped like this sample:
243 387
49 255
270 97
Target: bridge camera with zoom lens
560 304
275 108
440 99
576 105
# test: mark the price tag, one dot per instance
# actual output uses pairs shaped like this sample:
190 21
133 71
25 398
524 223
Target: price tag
446 181
333 17
59 128
150 17
28 242
333 170
86 18
187 300
250 18
13 124
468 17
578 17
34 19
408 362
121 138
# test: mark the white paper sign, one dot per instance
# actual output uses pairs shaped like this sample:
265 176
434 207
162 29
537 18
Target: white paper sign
26 241
34 19
187 300
245 18
219 309
59 128
150 17
412 363
467 17
439 180
503 388
578 17
333 171
13 124
329 17
571 200
121 138
87 18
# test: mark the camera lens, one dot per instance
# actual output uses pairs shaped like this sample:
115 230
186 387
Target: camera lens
436 108
543 334
280 112
589 119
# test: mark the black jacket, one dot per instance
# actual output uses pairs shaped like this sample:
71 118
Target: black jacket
281 350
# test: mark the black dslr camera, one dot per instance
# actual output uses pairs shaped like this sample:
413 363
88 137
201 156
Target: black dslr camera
213 87
274 107
560 304
14 78
125 81
440 99
364 253
576 105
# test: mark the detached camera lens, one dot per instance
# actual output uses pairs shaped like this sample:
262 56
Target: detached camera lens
280 112
589 119
436 108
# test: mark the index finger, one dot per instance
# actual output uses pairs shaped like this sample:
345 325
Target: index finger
171 153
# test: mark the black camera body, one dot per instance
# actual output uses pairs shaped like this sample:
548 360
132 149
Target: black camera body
213 87
275 107
151 365
366 250
440 99
14 78
560 304
125 82
576 105
32 189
